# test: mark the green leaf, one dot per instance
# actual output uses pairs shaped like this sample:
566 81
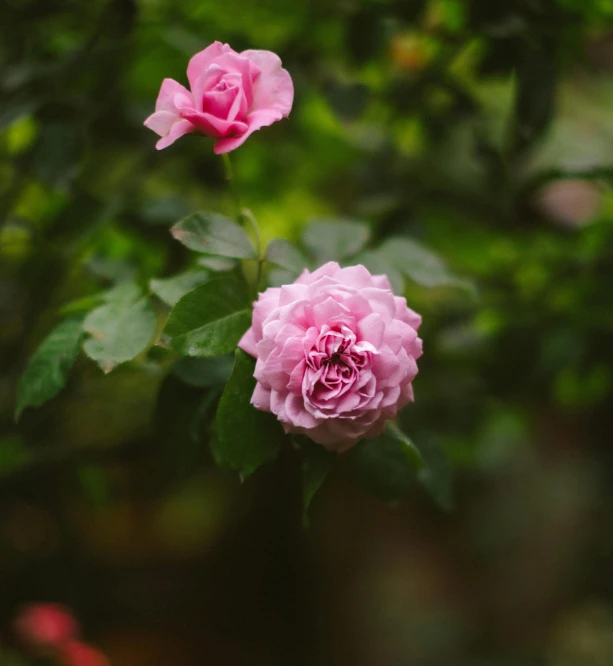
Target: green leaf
436 476
334 240
164 210
119 332
214 234
172 289
377 264
210 320
79 305
277 277
419 263
124 292
387 466
316 463
286 255
47 372
204 372
245 437
217 264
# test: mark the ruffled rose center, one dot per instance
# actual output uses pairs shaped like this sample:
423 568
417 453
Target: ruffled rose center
333 381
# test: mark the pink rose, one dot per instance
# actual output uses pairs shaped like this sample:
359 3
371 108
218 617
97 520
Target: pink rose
232 95
45 625
336 354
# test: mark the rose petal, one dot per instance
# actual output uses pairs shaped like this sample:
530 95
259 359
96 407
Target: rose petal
405 313
273 89
388 368
213 126
169 91
179 129
329 309
202 60
246 68
261 398
272 374
330 269
290 293
357 276
381 282
371 329
248 343
297 378
255 121
292 354
266 303
223 104
294 408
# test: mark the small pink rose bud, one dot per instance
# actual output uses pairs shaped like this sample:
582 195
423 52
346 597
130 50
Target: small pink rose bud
75 653
45 625
231 95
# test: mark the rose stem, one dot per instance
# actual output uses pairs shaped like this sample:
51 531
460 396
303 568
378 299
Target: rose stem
229 173
248 215
244 214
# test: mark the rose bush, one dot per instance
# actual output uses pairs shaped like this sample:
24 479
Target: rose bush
231 95
336 354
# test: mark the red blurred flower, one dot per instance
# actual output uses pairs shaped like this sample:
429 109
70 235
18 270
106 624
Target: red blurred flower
75 653
45 625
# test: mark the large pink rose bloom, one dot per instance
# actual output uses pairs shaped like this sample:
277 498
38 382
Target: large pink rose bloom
336 354
232 95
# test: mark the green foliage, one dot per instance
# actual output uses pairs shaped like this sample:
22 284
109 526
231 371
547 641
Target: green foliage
245 438
387 465
119 331
411 259
334 240
316 463
217 264
48 368
171 290
345 241
436 475
209 320
204 372
182 418
212 233
286 255
378 264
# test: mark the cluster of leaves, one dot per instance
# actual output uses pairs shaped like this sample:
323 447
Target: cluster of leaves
210 310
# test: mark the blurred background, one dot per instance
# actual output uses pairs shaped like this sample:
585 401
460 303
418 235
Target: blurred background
482 128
